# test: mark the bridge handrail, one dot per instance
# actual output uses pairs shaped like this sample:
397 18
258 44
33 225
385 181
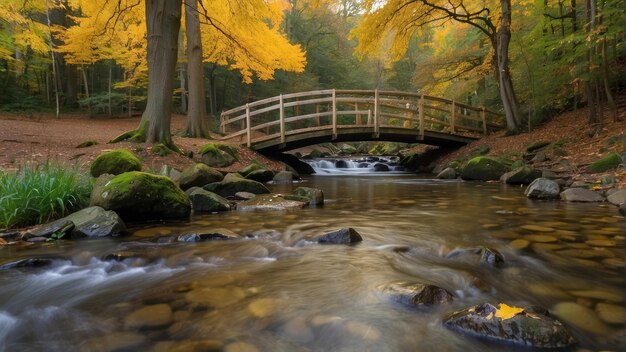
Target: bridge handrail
413 110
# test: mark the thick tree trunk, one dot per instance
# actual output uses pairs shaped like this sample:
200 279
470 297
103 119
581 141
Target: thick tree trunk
54 63
163 24
197 123
505 84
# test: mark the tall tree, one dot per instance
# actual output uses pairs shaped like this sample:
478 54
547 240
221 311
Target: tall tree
197 123
398 20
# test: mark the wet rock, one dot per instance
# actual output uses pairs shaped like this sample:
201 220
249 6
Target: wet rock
206 202
529 327
622 209
315 196
491 257
206 345
543 188
244 195
115 162
580 317
263 307
269 202
31 263
240 347
153 316
519 244
599 294
216 297
521 176
96 222
343 236
59 228
363 165
283 177
341 164
118 341
483 168
253 166
541 238
296 329
365 331
216 234
121 256
142 196
447 174
199 175
232 183
415 294
379 167
618 197
261 176
537 228
581 195
611 313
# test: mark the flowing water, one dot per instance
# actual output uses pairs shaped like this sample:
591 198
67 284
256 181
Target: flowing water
276 289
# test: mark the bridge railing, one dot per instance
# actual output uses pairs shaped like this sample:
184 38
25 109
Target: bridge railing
286 114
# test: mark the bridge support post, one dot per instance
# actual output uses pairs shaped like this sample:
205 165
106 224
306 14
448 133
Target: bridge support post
376 113
248 127
421 117
452 117
484 119
334 114
281 104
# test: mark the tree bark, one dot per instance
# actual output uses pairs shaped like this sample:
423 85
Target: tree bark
197 123
54 63
503 73
163 24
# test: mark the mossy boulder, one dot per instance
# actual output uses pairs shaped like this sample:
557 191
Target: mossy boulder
115 162
484 168
270 202
205 201
609 162
141 196
161 149
261 175
198 175
521 176
218 154
533 147
234 183
253 166
314 196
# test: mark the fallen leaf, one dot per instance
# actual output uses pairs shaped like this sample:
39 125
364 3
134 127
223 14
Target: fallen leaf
505 312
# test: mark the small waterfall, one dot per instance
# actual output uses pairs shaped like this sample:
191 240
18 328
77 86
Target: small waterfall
371 165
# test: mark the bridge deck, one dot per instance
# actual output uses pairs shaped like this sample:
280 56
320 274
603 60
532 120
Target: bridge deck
295 120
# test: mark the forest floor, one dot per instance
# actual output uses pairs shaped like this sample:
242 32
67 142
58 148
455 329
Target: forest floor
41 137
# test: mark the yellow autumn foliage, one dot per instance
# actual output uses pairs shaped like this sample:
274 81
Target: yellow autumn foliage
505 312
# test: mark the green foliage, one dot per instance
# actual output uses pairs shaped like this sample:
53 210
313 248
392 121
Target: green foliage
99 103
115 162
36 194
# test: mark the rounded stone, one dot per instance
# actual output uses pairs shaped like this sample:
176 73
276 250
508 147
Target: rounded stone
611 313
263 307
240 347
541 238
117 341
519 244
215 297
598 294
157 315
601 243
581 317
537 228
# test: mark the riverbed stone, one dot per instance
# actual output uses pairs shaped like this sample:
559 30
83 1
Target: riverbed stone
264 307
218 154
415 294
537 228
521 176
447 174
522 326
541 238
115 162
581 195
199 175
362 330
618 197
36 262
240 347
244 196
617 297
216 297
59 228
380 167
262 175
96 222
581 317
346 235
216 234
114 342
142 196
483 168
233 183
269 202
153 316
491 256
283 177
298 330
543 188
205 202
611 313
519 244
253 166
205 345
315 195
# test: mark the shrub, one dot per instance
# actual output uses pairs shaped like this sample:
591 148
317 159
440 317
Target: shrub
36 194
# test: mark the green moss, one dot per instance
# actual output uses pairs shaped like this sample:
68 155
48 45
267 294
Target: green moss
536 146
218 154
115 162
609 162
484 168
254 166
212 147
161 149
87 144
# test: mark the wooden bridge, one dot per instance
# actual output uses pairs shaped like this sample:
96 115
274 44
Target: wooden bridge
295 120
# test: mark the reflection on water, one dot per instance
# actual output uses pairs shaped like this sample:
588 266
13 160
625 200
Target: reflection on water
277 290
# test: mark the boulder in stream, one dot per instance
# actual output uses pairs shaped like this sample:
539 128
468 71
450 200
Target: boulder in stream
214 234
532 327
58 228
483 168
206 202
233 183
270 202
447 174
199 175
581 195
521 176
96 222
347 235
315 196
543 188
415 294
261 175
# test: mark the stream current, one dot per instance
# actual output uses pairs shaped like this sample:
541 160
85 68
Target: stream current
276 289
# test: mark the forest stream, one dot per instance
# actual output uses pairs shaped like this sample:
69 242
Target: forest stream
275 289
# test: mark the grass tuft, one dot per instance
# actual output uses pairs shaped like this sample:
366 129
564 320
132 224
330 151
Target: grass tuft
37 194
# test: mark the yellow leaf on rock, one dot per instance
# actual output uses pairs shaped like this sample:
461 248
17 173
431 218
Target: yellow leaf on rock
505 312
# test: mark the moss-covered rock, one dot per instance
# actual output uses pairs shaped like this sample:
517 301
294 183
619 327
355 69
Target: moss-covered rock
484 168
253 166
521 176
269 202
115 162
609 162
261 175
314 196
205 201
218 154
234 183
199 175
141 196
161 149
533 147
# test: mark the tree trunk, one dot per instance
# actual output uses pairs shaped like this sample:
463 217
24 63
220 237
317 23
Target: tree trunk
86 84
197 124
503 74
110 102
163 24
